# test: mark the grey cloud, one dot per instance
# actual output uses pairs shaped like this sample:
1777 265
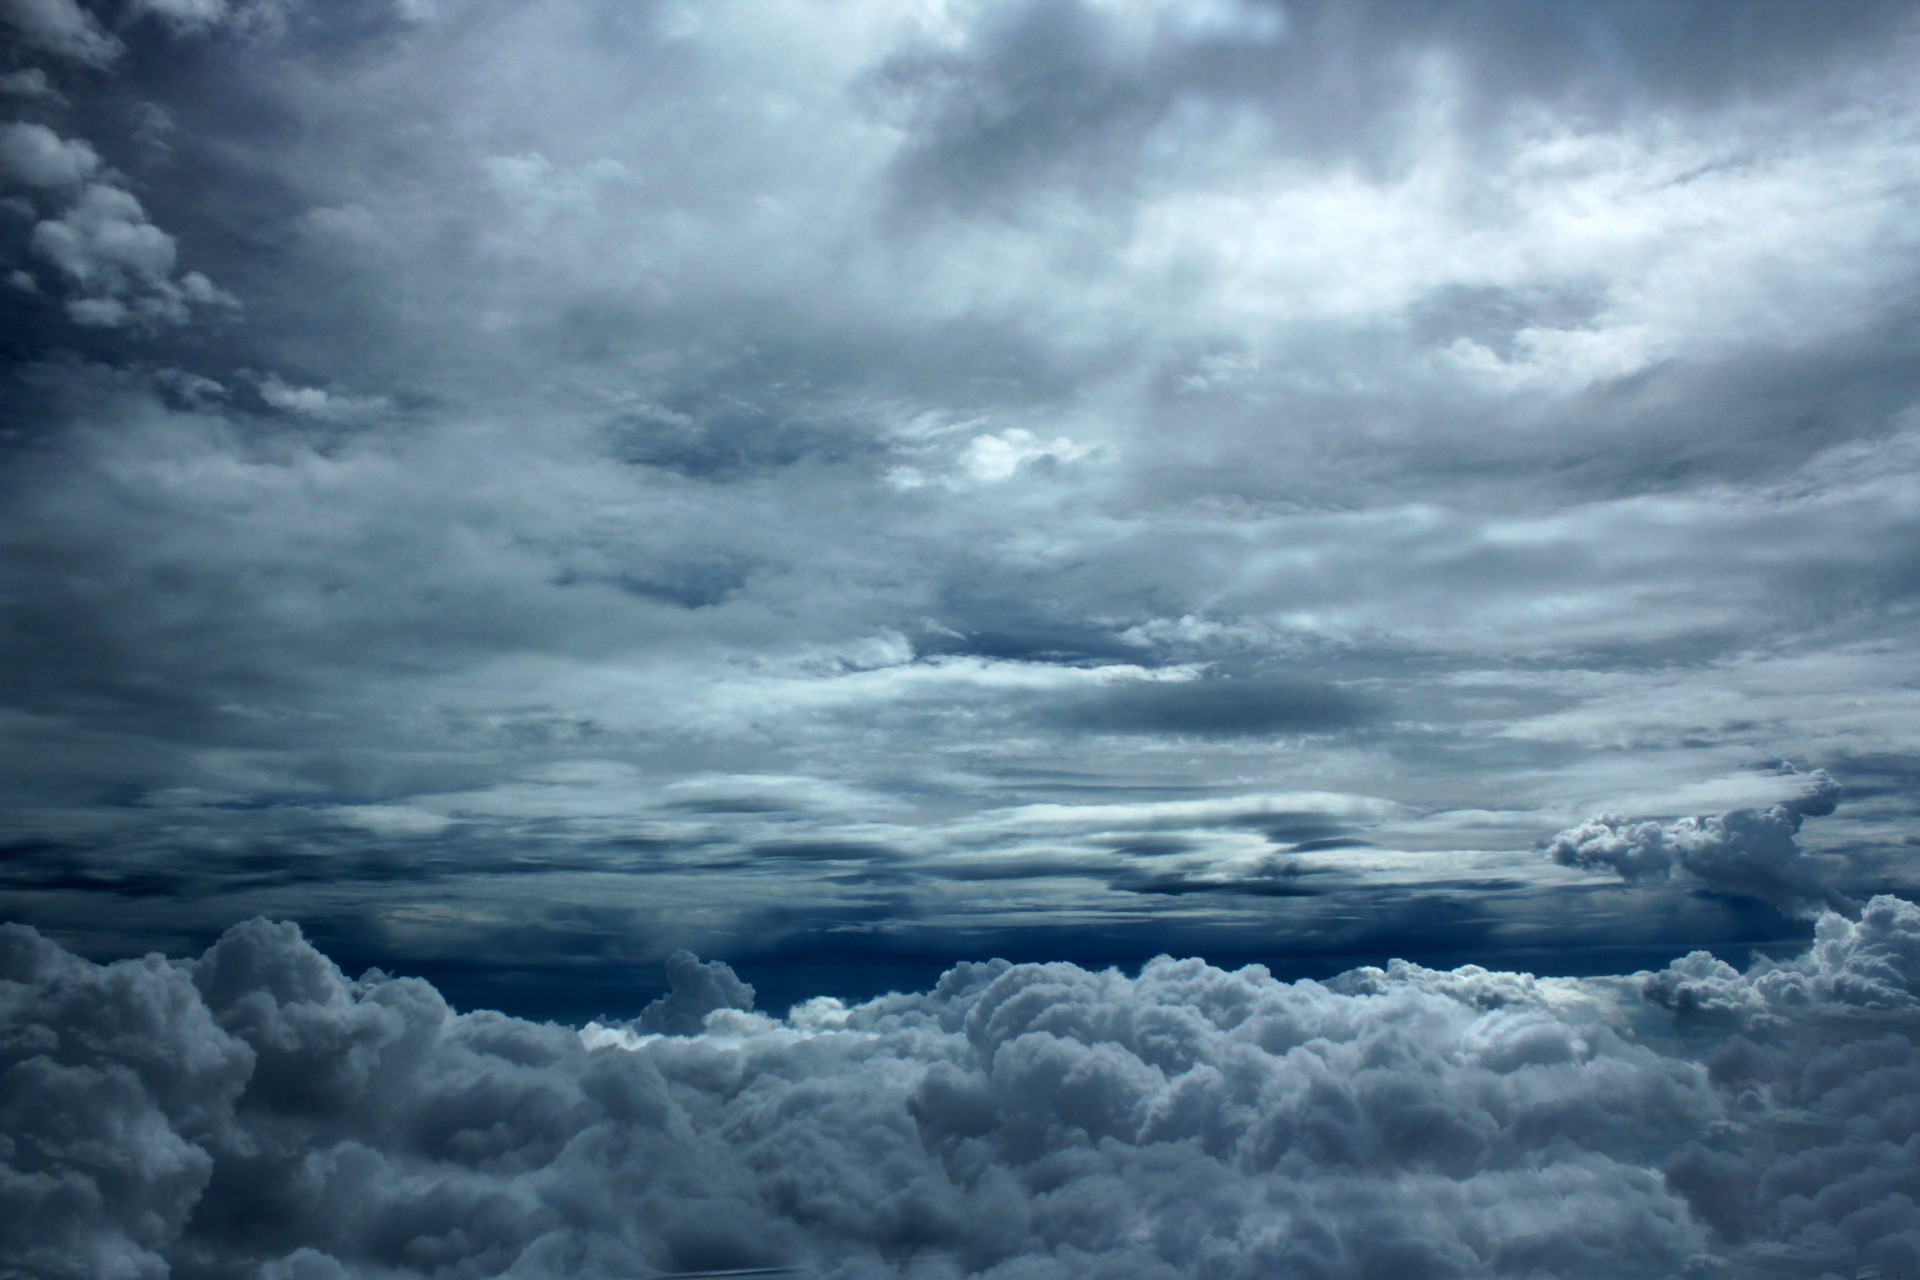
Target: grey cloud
61 28
730 440
698 989
1468 390
29 84
269 1116
1825 1037
1218 706
119 264
1045 94
33 155
188 16
1869 963
1272 877
1746 851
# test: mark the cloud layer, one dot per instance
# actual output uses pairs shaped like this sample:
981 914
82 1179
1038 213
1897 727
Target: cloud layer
255 1112
567 481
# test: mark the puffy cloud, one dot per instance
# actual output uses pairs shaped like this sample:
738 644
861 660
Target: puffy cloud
120 263
1872 963
113 1079
1745 851
255 1111
697 989
61 28
99 239
1818 1052
34 156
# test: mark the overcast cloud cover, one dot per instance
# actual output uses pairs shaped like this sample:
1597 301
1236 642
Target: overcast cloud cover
537 491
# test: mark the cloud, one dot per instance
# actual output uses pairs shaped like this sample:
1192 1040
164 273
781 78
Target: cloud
120 264
29 84
255 1111
1868 963
698 989
34 156
1224 706
1466 405
184 15
999 457
1744 851
61 28
316 402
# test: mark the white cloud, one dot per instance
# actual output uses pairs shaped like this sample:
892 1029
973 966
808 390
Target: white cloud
315 402
992 458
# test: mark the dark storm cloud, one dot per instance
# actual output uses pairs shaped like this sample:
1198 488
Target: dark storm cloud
253 1110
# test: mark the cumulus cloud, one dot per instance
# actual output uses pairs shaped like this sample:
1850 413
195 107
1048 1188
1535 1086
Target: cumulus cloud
120 265
697 989
1869 963
1745 851
1818 1052
61 28
254 1111
34 156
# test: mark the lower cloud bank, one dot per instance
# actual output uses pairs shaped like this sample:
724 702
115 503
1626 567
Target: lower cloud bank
256 1113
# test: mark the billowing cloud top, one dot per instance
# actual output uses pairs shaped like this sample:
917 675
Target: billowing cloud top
253 1112
1747 851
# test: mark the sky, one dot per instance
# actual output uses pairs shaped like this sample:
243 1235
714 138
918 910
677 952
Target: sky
786 527
524 488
